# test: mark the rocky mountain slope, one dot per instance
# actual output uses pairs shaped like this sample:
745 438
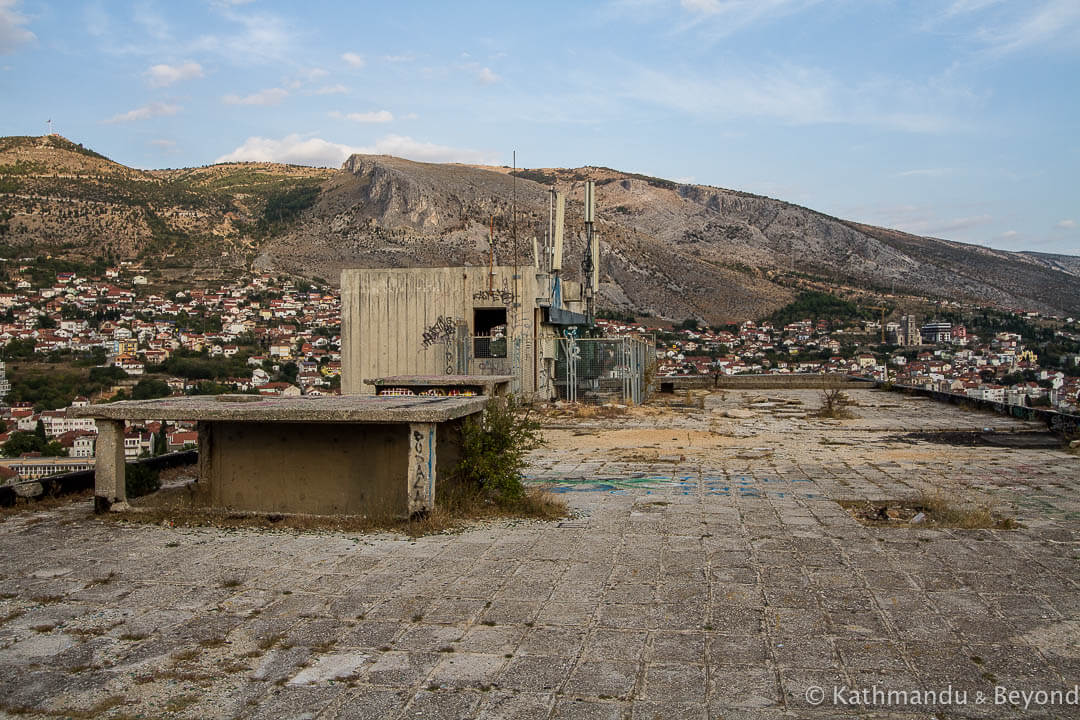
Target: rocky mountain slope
668 249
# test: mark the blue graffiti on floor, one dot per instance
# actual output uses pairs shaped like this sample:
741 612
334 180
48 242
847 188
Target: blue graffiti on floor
743 486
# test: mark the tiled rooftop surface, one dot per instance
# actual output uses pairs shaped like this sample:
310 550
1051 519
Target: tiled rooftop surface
707 572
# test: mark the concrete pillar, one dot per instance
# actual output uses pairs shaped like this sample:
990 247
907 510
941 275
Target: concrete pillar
206 459
110 492
421 477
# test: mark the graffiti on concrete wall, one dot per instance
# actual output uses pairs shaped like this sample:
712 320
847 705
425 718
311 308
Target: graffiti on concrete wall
421 467
503 296
420 478
442 331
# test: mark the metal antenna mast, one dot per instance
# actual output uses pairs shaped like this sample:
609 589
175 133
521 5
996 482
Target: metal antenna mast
590 269
513 210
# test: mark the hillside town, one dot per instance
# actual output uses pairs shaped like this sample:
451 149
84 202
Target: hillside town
278 337
934 356
266 335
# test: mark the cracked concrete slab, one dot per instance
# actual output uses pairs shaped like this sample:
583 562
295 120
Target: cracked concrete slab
713 576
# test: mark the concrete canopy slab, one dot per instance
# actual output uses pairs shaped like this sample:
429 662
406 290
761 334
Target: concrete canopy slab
253 408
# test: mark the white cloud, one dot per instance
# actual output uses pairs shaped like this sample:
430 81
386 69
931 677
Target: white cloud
13 34
713 18
303 77
1002 28
1066 224
164 144
486 76
374 116
405 57
353 59
297 149
739 13
926 172
262 38
798 96
270 96
146 112
962 7
338 89
165 75
1042 24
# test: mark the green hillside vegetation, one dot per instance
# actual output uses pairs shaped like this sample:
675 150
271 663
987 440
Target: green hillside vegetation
816 306
77 204
54 388
286 203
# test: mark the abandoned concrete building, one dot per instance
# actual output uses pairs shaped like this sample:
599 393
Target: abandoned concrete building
450 321
526 321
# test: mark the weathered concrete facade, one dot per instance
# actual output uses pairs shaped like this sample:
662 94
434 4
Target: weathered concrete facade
327 469
450 320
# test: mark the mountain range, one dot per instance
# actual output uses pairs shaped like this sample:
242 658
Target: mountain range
668 249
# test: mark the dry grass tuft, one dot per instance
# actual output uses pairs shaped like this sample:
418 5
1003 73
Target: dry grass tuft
936 509
180 702
23 506
457 506
834 404
946 514
582 411
185 655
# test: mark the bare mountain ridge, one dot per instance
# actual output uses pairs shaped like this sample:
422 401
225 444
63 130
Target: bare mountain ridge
668 249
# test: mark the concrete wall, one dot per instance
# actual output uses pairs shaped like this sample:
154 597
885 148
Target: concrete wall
1063 423
409 321
331 468
761 382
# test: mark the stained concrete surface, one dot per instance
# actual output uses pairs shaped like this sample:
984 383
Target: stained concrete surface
707 572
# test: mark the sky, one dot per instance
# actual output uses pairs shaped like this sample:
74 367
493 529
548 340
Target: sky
958 119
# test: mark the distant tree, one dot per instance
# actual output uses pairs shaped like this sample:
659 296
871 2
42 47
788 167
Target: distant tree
288 372
20 442
19 349
717 372
161 440
44 322
689 323
39 431
148 388
107 375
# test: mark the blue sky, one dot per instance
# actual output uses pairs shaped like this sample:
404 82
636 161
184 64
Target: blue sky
957 119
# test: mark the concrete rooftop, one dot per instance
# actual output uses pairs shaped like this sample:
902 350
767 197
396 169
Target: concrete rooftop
708 572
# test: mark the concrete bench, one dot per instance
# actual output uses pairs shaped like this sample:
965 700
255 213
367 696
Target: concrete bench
346 454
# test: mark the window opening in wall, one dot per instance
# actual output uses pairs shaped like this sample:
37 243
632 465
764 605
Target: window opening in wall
489 329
